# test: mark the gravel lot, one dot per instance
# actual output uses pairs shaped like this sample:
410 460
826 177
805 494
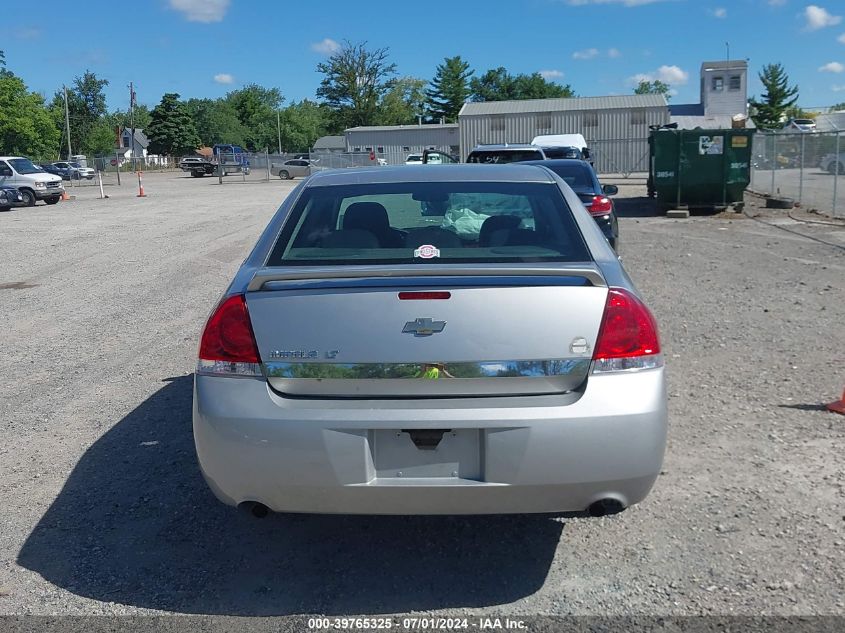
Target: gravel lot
104 510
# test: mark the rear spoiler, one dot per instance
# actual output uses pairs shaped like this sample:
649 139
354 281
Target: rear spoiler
264 276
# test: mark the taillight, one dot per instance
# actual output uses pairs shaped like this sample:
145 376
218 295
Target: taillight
601 205
628 335
228 345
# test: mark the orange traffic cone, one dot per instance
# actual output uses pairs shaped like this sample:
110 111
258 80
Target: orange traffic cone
141 193
65 197
838 406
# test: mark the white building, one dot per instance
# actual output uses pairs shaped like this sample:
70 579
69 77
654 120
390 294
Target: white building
724 95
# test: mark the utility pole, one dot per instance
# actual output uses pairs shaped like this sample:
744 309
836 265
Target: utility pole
67 123
279 129
132 122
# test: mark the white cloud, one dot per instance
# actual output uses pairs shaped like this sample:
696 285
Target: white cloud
613 53
819 18
627 3
832 67
720 13
838 88
201 10
841 39
587 53
672 75
326 46
551 74
224 78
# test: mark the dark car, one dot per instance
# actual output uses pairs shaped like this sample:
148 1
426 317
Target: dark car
55 170
10 197
581 177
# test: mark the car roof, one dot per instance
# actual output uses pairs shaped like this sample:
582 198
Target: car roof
504 146
554 162
10 157
510 172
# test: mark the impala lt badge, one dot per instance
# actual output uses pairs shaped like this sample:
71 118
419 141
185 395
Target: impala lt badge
423 327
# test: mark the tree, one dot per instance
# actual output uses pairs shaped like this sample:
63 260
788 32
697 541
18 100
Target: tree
123 118
403 103
354 81
449 89
26 126
303 123
171 130
255 107
776 100
499 85
216 121
655 87
86 105
839 107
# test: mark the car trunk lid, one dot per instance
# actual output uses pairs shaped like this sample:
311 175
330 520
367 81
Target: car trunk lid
422 332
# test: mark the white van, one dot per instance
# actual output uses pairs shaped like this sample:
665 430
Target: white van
565 140
33 182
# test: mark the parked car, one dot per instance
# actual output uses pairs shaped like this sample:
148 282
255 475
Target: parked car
833 163
506 153
369 359
414 159
10 197
800 125
75 170
50 168
32 182
563 152
293 168
582 179
551 141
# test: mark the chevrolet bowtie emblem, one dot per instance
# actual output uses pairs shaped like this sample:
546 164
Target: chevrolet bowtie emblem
423 327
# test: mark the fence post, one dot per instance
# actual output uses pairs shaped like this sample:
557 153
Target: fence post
267 158
801 172
836 174
774 161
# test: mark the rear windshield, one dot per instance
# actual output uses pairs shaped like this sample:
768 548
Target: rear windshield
578 177
503 156
410 223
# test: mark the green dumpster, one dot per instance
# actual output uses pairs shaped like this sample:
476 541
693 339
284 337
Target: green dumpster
699 168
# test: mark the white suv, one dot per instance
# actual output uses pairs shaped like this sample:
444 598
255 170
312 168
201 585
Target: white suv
33 182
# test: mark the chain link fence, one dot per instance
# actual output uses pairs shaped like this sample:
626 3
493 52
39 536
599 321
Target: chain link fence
623 156
808 167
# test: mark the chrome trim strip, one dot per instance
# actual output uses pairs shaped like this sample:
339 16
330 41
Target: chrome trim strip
538 369
264 275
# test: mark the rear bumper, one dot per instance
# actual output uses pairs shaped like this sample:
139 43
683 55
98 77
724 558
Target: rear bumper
534 454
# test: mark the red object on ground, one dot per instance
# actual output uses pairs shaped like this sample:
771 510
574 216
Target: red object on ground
839 405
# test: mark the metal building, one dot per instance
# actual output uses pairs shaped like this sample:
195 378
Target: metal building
616 128
394 142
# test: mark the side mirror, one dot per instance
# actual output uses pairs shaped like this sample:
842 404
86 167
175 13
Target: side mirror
610 190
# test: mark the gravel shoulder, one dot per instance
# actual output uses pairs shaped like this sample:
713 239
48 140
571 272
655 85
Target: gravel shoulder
104 510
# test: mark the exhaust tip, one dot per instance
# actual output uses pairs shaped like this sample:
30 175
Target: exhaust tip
605 507
256 509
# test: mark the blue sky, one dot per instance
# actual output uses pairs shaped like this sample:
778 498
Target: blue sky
205 48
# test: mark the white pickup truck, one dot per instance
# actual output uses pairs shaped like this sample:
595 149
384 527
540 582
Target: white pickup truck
832 164
33 182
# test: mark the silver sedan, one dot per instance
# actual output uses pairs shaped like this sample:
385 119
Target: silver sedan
294 168
431 340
